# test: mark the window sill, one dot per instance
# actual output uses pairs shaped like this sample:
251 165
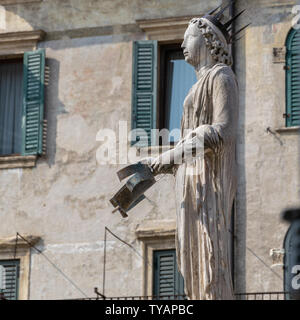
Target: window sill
288 129
11 162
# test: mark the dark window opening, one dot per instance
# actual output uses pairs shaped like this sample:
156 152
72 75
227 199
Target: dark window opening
176 79
11 96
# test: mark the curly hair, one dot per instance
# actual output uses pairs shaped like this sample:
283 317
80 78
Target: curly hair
218 49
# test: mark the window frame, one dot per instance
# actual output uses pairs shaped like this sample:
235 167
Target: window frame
163 49
166 31
9 251
14 45
154 236
158 89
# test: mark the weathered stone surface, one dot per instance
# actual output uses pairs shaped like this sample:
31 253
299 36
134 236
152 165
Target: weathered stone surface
268 164
75 14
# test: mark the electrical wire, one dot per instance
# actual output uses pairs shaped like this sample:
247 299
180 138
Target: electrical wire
259 258
262 261
53 264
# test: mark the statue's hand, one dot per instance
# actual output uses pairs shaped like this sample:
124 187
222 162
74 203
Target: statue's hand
163 163
148 161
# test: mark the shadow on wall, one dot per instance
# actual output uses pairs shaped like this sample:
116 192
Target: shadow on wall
240 212
53 107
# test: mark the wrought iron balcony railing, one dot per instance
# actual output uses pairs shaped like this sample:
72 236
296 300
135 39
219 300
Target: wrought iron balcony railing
239 296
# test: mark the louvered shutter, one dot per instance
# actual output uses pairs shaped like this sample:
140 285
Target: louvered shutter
33 102
10 278
144 88
293 79
167 281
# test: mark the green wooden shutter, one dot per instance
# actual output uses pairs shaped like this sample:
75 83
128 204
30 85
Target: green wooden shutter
144 88
33 102
11 278
167 281
293 79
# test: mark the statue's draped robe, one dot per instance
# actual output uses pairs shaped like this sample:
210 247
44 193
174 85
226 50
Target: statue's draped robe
205 198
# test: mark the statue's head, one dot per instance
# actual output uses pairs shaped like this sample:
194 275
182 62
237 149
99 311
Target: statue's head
210 34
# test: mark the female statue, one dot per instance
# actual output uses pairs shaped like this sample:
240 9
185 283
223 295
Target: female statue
205 186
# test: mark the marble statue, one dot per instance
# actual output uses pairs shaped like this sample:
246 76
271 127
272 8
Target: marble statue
205 198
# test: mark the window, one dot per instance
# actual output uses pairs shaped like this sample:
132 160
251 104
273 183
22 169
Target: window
158 245
171 83
167 281
9 279
176 79
22 104
18 269
11 95
293 79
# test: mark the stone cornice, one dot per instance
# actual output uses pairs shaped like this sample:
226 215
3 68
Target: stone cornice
165 29
155 229
9 243
16 43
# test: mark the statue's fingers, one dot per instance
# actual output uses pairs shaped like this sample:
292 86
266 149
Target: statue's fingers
157 167
160 167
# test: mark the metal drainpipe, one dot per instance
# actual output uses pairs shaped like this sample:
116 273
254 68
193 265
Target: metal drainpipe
232 46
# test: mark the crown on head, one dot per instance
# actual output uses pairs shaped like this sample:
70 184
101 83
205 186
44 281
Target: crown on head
214 16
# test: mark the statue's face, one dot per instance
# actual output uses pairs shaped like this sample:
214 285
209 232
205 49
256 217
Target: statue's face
192 44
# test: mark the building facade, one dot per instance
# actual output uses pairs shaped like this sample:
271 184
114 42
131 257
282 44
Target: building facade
71 69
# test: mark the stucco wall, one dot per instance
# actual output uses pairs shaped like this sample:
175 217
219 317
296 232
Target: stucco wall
268 162
57 15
